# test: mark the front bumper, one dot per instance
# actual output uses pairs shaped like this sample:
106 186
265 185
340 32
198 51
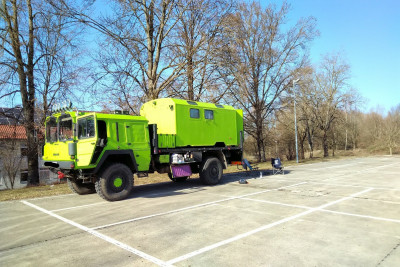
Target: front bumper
61 165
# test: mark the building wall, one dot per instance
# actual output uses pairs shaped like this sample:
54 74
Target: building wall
19 152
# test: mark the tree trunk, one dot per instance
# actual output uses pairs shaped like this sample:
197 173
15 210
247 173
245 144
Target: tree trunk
302 140
259 149
190 77
32 154
325 144
310 144
260 142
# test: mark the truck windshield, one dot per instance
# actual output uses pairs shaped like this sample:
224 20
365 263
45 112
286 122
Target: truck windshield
65 128
51 130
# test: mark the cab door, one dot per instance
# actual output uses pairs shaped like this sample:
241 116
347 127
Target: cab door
87 137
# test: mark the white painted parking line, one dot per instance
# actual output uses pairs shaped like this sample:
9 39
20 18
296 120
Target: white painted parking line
334 167
331 211
57 196
78 207
358 172
100 235
158 214
262 228
356 186
362 216
193 207
326 210
276 203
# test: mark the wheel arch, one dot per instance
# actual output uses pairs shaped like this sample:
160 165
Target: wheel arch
117 156
219 155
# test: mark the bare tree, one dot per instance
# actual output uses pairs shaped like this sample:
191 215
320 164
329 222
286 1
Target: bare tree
307 122
59 69
391 130
196 33
36 44
17 38
372 125
11 160
135 56
329 95
259 59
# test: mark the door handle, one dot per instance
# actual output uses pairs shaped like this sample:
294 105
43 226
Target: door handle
92 143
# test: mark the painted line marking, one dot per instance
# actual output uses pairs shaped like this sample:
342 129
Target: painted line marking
193 207
55 196
277 203
262 228
357 172
325 210
333 167
78 207
100 235
362 216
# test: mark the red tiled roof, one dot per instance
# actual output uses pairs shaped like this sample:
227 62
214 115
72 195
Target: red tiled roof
12 132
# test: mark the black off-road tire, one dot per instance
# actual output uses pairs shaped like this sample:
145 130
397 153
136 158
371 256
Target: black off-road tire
211 171
177 179
78 187
115 182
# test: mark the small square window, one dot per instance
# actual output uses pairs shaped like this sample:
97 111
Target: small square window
194 113
24 177
219 106
24 151
208 114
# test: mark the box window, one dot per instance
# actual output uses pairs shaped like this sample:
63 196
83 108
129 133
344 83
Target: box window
194 113
219 106
208 114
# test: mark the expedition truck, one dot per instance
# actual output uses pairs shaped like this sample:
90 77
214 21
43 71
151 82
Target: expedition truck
100 152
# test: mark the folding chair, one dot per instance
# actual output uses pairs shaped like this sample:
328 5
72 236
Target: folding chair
246 164
277 166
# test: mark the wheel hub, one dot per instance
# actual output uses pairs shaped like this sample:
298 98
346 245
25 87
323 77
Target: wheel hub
117 182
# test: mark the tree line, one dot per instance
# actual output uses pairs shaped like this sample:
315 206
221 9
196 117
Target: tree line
233 52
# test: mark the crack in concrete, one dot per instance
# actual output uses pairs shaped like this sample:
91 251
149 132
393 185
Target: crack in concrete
40 242
390 252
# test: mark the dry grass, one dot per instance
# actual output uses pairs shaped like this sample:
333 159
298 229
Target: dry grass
34 192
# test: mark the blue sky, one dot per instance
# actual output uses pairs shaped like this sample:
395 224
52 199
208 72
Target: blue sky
367 33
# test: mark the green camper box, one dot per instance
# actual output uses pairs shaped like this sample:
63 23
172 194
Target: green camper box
183 123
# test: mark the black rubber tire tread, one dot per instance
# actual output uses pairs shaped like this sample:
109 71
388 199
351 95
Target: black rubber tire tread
103 184
177 179
78 187
211 171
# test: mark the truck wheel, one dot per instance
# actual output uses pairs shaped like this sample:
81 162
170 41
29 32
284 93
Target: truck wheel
177 179
211 171
78 187
115 182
